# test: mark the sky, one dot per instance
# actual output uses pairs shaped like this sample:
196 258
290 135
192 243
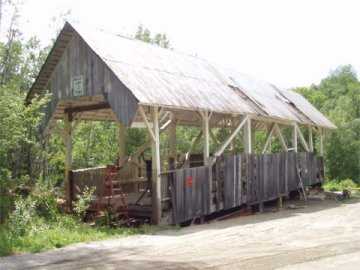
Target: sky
287 42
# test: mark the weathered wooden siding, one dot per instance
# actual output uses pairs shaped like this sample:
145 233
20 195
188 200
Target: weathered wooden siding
80 61
240 179
94 177
190 194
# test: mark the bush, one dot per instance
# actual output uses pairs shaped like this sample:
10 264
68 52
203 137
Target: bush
41 204
20 218
36 224
340 185
45 203
5 242
83 202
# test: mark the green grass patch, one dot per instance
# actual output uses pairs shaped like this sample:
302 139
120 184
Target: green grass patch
43 235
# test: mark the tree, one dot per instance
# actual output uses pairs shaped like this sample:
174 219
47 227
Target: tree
20 150
338 97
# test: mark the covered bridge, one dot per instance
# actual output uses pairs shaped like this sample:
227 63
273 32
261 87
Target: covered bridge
98 76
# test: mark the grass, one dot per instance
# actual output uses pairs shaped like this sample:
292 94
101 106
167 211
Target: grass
42 235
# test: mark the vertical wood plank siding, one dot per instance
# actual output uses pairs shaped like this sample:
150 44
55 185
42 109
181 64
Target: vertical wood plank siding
240 179
79 60
190 193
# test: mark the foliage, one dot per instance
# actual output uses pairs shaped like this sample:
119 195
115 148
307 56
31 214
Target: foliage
83 202
340 185
41 203
36 224
44 235
19 149
338 96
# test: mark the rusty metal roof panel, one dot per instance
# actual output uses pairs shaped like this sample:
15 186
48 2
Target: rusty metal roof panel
308 109
164 77
265 95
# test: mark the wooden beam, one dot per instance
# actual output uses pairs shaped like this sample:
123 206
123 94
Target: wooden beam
121 140
68 158
302 139
143 115
247 136
166 124
163 115
231 137
172 143
294 138
268 139
281 137
232 144
311 141
92 107
321 142
206 137
156 179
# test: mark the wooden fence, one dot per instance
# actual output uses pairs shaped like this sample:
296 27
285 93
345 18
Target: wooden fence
237 180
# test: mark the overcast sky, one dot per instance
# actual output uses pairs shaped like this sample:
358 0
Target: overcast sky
286 42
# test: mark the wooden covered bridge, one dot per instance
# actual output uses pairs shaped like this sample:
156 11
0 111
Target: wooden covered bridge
103 77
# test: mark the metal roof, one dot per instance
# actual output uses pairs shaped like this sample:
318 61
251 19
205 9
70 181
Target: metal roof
164 77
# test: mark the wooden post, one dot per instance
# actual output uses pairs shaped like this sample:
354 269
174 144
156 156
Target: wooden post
232 144
295 138
206 154
156 180
321 142
121 140
280 202
311 141
68 158
172 143
253 130
206 138
247 137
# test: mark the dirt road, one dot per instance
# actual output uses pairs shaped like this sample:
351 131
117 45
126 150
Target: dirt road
322 235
